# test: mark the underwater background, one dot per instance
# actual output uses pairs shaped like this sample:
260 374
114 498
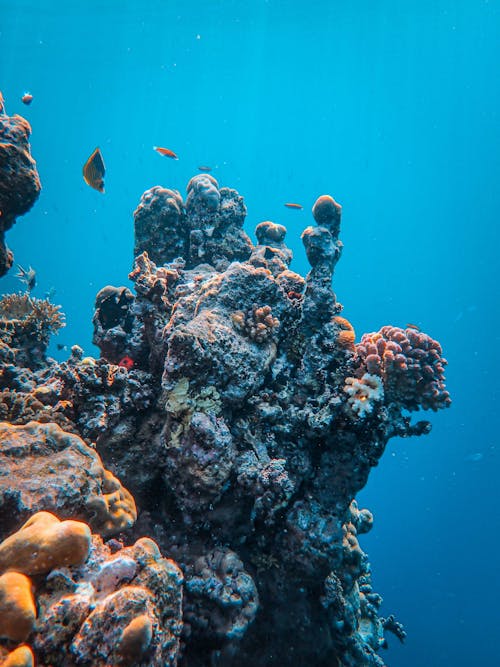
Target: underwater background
392 108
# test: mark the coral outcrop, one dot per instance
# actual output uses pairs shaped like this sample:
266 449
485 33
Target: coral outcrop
268 420
231 398
94 606
19 181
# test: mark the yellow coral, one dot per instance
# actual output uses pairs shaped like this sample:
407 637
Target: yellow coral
44 543
178 400
22 656
17 606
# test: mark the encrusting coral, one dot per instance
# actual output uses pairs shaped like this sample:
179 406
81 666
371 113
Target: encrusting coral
233 401
44 468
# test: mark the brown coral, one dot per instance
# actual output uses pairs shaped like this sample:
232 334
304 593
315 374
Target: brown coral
346 335
327 213
44 468
258 324
19 181
135 640
19 407
116 609
115 509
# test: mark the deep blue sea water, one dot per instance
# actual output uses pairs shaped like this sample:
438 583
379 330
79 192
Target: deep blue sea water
389 106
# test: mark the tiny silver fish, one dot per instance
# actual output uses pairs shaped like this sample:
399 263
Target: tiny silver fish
27 276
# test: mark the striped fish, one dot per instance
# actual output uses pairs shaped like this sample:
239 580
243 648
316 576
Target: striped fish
94 170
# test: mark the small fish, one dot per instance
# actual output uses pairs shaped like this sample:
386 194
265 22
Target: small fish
165 151
94 170
27 98
60 346
413 326
51 292
28 277
127 362
292 205
203 168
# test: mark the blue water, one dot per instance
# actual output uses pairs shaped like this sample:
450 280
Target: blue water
389 106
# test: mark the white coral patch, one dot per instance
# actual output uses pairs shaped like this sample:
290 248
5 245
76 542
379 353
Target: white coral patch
363 393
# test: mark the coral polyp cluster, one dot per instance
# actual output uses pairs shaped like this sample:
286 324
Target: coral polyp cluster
410 364
232 407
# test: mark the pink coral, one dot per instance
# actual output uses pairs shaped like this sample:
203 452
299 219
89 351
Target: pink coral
410 365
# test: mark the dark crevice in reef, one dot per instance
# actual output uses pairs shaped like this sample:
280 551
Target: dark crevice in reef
233 401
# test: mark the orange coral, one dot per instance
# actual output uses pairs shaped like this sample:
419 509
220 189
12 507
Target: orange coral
17 606
44 543
135 639
22 656
346 336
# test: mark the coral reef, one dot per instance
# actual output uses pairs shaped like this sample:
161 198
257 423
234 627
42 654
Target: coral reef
232 400
94 607
19 181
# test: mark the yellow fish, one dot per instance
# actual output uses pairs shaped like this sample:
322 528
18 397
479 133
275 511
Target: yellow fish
94 170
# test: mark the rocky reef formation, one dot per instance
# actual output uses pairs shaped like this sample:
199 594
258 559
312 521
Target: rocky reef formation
233 402
19 181
94 606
